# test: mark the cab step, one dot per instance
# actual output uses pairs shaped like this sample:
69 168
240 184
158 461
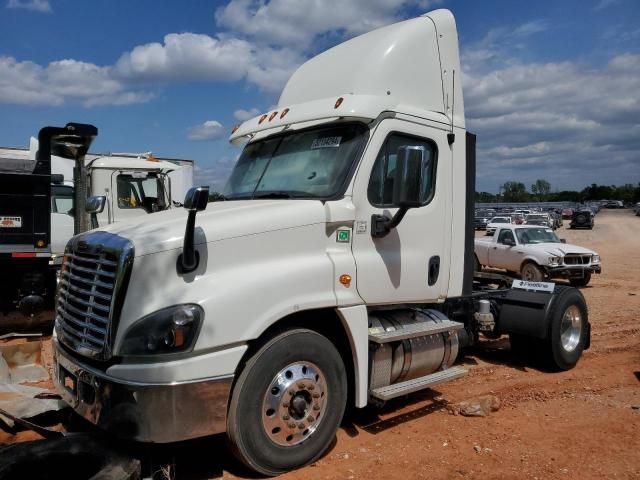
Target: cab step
410 386
415 330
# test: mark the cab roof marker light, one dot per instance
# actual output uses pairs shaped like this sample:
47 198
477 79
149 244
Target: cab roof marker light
235 128
273 115
338 102
284 112
262 118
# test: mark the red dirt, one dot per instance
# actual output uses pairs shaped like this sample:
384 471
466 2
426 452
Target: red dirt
580 424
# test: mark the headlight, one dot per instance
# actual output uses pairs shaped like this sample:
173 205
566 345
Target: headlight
554 261
595 259
170 330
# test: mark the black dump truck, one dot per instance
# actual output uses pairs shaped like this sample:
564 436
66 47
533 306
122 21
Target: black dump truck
27 281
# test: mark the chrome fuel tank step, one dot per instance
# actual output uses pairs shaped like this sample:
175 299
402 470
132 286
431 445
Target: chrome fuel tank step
410 386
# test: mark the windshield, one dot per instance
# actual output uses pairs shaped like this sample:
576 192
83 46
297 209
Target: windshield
536 235
142 190
307 164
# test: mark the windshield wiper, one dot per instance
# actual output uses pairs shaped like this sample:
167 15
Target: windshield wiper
272 195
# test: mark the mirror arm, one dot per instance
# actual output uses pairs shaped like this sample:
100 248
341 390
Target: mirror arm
382 225
188 259
94 220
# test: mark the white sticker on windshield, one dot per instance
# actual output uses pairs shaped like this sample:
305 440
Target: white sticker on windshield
548 230
326 142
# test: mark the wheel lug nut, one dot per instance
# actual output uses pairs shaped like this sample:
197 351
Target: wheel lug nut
301 385
285 417
316 407
311 387
316 395
292 392
292 425
310 419
301 426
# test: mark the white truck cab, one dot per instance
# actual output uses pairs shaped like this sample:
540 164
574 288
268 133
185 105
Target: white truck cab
339 266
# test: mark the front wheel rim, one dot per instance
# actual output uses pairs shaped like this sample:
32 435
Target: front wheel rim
529 273
294 404
571 328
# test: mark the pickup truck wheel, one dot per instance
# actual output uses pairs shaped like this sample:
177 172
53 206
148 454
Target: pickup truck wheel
531 272
287 403
581 281
568 330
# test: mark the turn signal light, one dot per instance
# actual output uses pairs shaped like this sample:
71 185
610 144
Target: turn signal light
345 280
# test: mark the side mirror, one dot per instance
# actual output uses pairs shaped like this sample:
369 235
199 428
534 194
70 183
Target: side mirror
563 240
94 206
195 201
508 241
408 185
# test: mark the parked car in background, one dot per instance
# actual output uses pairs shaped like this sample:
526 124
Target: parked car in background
482 218
582 219
537 254
567 213
636 209
543 219
496 222
614 204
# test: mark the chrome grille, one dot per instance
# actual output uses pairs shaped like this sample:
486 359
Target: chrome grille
577 259
85 296
91 291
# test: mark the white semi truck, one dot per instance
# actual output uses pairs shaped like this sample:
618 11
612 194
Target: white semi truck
337 271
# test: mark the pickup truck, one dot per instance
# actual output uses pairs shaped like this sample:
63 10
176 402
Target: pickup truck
537 254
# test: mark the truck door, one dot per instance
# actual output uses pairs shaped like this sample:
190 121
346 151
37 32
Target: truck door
411 263
505 256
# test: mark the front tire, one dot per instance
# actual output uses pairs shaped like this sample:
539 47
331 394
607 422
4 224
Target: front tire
287 403
581 281
568 330
531 272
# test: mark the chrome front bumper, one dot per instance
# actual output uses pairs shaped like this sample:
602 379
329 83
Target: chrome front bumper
158 413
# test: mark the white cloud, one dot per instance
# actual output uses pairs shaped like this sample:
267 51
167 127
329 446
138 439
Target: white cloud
209 130
187 57
28 83
243 115
33 5
295 23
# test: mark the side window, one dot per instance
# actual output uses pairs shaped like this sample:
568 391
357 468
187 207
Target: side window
505 233
62 199
128 194
380 190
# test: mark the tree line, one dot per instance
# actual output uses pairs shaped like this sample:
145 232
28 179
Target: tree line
513 191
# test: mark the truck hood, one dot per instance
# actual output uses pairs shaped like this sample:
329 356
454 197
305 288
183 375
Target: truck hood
220 221
561 249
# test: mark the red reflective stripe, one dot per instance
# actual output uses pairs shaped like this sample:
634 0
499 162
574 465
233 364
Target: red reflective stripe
23 254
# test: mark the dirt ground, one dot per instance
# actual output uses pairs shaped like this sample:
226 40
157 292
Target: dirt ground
580 424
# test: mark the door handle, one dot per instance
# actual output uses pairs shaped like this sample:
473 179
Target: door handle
434 270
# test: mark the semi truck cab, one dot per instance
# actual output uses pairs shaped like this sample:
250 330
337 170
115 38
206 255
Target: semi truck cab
337 268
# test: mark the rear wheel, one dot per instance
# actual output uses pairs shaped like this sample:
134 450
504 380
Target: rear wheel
531 272
287 403
568 330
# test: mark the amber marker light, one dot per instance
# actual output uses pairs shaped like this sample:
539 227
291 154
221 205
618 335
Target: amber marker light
262 118
273 115
345 280
40 243
235 129
284 112
338 102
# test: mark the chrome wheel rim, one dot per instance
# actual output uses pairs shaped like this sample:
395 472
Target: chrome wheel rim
294 403
528 273
571 328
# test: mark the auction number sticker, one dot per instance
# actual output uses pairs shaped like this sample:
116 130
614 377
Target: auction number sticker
326 142
10 222
535 286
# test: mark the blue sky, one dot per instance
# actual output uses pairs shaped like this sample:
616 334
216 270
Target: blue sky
552 88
